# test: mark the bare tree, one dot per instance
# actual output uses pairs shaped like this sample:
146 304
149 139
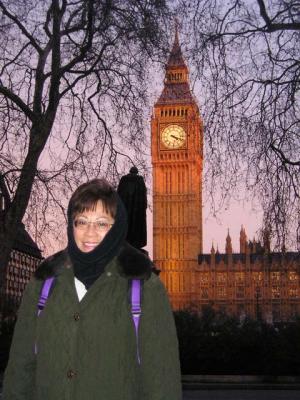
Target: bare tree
72 86
246 57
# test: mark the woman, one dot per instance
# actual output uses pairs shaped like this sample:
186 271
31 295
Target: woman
83 345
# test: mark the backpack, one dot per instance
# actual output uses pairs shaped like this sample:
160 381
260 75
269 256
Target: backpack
135 302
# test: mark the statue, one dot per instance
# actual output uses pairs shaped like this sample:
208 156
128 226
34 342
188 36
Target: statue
132 190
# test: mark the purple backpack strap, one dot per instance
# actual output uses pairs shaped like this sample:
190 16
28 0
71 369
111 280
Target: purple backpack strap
136 311
43 299
44 294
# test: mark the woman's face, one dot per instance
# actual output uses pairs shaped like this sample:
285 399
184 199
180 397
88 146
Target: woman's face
90 227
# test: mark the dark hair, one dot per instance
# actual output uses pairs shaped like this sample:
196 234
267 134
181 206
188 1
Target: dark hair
87 195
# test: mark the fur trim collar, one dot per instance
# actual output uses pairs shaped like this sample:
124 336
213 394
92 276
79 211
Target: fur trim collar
53 265
133 264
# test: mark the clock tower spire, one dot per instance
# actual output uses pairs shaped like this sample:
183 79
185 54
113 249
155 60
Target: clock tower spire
177 157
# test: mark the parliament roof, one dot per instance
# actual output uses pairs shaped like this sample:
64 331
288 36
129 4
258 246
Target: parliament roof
271 258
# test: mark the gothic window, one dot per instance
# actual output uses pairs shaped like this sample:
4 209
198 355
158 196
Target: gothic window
170 283
275 276
293 276
221 278
181 283
180 214
168 219
240 277
204 293
293 292
179 246
257 277
221 292
167 182
167 248
204 277
275 292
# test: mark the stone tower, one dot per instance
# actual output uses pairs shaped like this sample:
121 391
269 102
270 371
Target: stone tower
177 160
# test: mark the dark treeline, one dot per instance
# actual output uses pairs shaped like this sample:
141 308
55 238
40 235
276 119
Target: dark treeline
215 343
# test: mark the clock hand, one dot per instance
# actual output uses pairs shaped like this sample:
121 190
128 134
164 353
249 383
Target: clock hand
175 137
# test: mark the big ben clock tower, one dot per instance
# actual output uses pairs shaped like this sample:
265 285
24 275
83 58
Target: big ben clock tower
177 158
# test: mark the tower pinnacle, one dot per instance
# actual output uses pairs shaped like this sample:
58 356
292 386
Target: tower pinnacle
176 83
176 59
243 240
228 247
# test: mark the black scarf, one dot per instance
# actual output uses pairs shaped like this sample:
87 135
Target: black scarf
89 266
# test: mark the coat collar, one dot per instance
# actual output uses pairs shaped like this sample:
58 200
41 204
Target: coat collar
132 264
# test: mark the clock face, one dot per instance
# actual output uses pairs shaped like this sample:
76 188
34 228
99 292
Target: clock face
173 136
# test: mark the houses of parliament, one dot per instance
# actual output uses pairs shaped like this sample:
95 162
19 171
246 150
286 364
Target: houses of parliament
255 282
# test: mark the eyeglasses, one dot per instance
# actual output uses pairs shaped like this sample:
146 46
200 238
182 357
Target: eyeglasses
99 226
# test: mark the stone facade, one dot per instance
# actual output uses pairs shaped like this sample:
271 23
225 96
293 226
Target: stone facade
255 282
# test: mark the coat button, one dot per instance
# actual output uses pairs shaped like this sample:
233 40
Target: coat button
76 317
71 373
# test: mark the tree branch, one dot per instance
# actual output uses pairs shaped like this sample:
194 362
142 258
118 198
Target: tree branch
284 159
85 47
18 101
271 27
20 26
55 62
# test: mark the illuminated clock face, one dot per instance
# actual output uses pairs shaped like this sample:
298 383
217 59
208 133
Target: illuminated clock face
173 136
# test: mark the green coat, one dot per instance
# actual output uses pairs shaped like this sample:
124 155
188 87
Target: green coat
87 349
